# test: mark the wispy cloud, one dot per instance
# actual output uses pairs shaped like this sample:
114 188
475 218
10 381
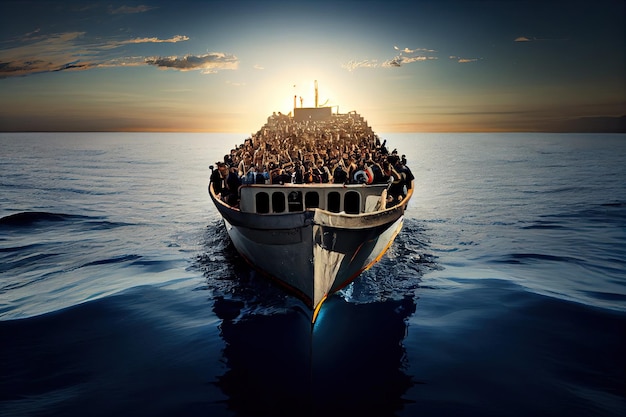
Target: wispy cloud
31 34
258 67
401 60
56 52
125 61
130 9
208 63
412 51
408 56
174 39
352 65
534 39
464 60
405 56
37 53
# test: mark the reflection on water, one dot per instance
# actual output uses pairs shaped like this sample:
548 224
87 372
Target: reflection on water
268 359
351 362
358 359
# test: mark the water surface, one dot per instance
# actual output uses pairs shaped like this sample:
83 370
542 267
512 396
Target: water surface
505 293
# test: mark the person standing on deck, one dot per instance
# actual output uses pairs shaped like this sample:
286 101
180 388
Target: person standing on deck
340 176
217 177
230 192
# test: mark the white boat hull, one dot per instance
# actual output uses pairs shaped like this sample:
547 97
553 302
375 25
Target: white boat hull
315 252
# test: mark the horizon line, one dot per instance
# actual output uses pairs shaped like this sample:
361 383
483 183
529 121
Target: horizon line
608 131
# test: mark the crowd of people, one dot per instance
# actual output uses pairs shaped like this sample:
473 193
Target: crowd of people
340 150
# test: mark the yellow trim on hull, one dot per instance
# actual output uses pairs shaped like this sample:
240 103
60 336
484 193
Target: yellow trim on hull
318 307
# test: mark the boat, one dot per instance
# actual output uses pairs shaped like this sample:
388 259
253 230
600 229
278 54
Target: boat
314 238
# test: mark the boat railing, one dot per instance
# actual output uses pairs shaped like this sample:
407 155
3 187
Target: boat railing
292 198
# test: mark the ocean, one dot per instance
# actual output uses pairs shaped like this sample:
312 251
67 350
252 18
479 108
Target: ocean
504 294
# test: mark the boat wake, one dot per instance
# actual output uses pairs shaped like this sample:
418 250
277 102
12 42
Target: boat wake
399 273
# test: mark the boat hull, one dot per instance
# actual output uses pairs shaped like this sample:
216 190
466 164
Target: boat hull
313 253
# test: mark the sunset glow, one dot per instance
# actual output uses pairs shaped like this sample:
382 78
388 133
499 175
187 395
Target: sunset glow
226 66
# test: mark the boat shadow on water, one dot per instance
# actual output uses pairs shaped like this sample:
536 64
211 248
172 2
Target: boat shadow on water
350 362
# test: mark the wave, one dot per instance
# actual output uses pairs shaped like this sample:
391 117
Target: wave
609 213
27 218
618 204
113 260
26 260
59 363
53 265
57 190
543 224
30 218
20 248
559 190
522 258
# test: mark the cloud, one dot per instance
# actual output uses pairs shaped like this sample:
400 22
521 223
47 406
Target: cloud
66 40
55 52
401 60
130 9
174 39
9 69
29 34
412 51
258 67
464 60
406 56
208 63
534 39
113 44
127 61
392 63
35 53
352 65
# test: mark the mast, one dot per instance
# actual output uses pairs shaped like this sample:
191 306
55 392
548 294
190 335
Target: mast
316 94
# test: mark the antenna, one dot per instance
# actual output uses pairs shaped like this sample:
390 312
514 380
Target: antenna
316 94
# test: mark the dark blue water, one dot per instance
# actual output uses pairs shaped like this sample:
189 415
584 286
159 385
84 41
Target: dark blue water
505 293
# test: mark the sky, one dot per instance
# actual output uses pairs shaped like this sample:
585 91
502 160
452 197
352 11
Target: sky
225 66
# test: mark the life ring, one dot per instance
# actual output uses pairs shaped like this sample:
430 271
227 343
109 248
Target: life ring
360 177
370 175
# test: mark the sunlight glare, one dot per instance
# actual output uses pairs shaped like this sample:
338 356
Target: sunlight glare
281 89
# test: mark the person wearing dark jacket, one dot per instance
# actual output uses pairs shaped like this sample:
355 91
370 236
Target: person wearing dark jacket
230 192
340 176
405 172
217 177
